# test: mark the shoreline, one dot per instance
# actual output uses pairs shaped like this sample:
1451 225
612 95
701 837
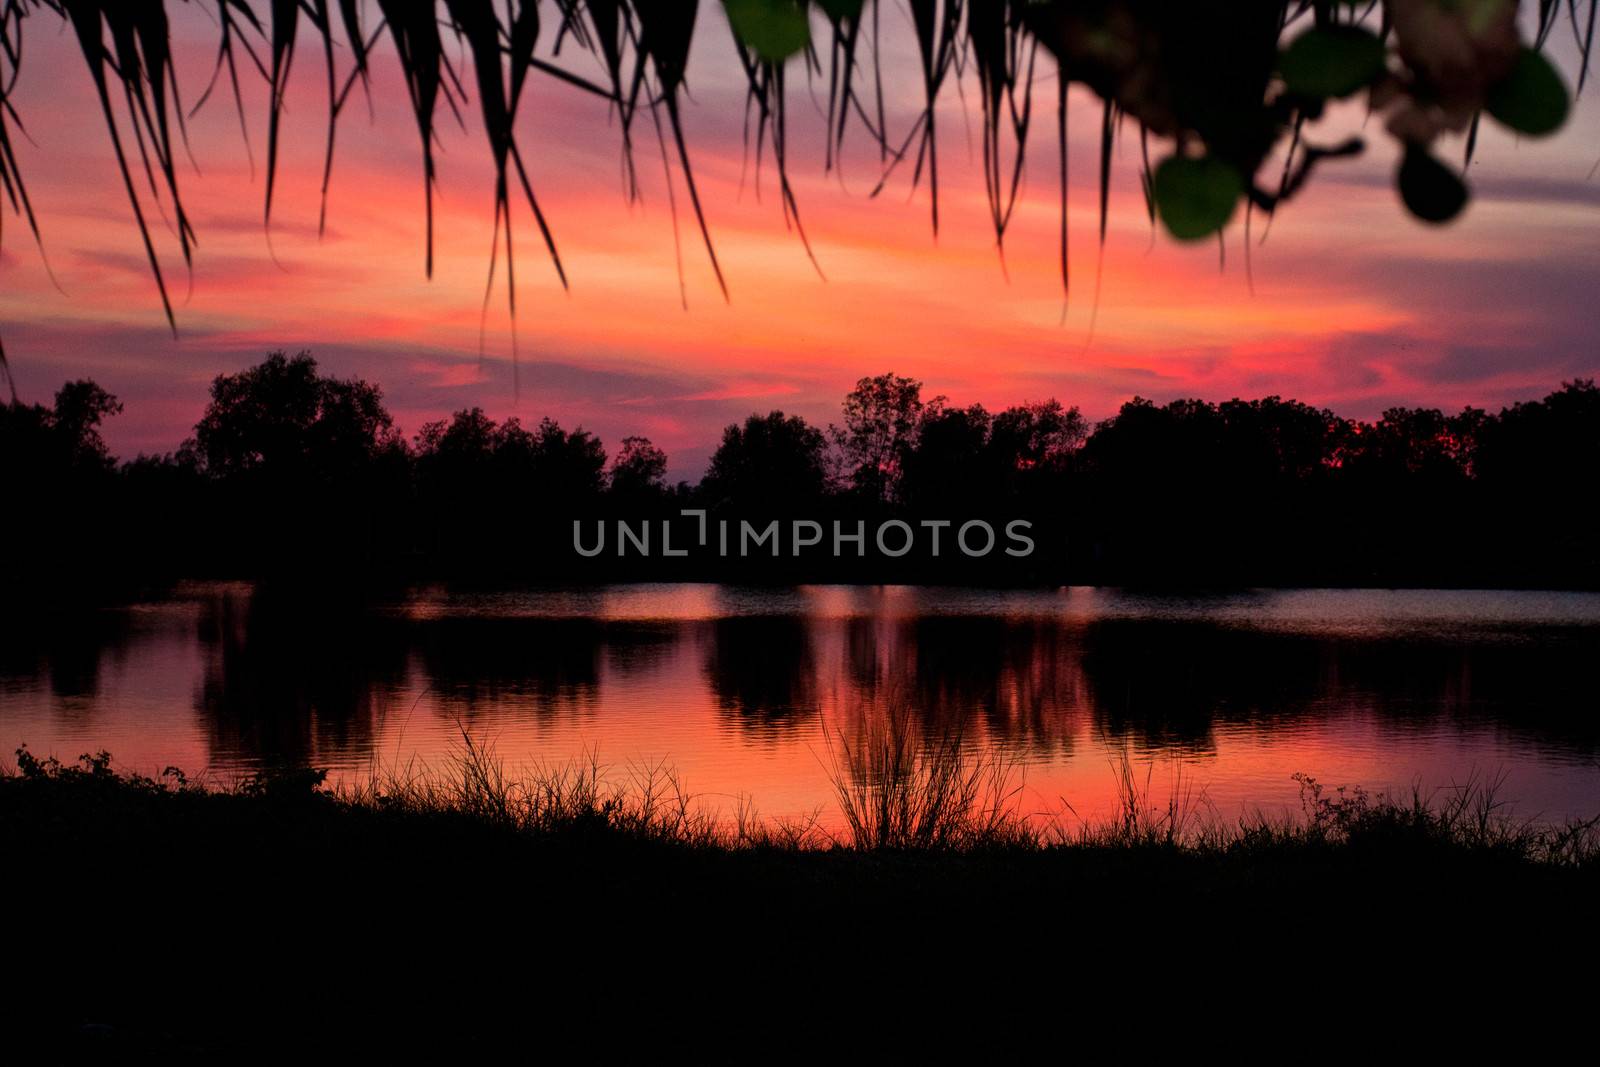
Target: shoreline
158 918
891 793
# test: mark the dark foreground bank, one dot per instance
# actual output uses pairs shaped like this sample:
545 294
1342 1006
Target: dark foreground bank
475 916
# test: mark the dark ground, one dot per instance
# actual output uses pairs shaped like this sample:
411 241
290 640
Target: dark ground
200 926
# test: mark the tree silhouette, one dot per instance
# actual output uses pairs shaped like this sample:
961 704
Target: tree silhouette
950 467
1548 447
292 474
280 420
80 408
61 441
490 493
881 416
638 469
1042 434
965 458
306 467
568 466
771 463
62 476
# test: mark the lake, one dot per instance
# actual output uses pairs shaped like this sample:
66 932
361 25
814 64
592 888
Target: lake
744 692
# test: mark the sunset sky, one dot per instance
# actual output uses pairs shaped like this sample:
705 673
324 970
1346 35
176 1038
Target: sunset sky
1355 305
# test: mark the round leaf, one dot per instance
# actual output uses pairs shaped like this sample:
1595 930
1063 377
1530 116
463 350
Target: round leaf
1532 99
1196 197
1430 189
840 9
772 29
1331 61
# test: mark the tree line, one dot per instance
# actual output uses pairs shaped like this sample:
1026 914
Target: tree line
292 472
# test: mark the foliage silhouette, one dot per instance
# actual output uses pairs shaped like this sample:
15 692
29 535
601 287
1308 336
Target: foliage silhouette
1232 85
486 490
773 462
302 477
281 420
881 419
638 470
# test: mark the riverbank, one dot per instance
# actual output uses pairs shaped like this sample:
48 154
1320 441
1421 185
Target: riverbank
467 910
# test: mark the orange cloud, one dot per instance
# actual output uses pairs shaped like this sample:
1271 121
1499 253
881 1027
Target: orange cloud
1349 302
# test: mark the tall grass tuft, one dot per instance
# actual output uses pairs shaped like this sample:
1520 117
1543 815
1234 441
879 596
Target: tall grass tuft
1181 818
899 789
1471 815
647 802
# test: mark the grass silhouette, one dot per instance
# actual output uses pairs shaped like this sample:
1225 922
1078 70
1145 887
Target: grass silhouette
898 789
469 910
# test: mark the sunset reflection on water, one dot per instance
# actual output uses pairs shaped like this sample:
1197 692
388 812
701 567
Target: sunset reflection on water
742 691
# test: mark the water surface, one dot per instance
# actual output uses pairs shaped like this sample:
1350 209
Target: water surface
744 692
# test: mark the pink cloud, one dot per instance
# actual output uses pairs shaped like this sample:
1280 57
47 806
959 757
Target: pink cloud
1348 303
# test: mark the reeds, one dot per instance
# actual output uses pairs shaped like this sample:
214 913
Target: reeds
1182 817
646 802
1470 815
898 788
